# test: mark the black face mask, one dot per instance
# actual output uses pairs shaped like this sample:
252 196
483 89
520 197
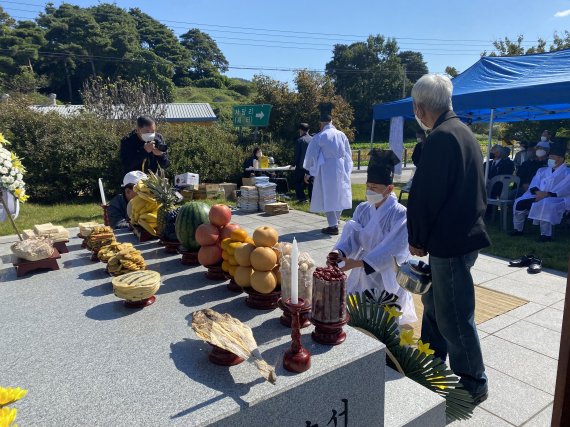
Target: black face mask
492 156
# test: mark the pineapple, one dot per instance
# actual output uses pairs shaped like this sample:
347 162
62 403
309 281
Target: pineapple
166 196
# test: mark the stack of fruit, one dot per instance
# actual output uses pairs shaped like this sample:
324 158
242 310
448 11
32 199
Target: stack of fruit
125 261
143 208
209 236
109 251
100 236
257 261
189 218
167 197
230 245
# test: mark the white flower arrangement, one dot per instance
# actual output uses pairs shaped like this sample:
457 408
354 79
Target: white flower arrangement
11 172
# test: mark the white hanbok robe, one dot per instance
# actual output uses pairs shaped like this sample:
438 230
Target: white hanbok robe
379 237
550 209
329 161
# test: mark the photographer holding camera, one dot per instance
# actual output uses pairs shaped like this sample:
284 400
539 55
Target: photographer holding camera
144 149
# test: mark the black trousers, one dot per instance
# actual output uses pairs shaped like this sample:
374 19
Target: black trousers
524 205
300 185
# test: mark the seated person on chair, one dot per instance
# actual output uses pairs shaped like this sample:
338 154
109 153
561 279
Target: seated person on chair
501 165
548 196
117 210
376 235
537 158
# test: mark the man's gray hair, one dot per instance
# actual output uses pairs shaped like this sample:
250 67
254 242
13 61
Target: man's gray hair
433 92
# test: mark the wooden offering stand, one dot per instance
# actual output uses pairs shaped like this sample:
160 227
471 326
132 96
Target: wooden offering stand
23 266
140 304
61 247
261 301
304 314
329 333
170 247
232 285
297 358
142 234
188 257
105 214
219 356
215 272
83 242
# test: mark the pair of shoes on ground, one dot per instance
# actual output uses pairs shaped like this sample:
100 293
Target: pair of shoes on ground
533 263
541 239
333 231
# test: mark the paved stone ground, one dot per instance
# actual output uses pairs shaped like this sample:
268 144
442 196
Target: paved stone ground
520 347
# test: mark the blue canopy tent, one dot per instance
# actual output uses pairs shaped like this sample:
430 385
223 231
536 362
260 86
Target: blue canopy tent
503 89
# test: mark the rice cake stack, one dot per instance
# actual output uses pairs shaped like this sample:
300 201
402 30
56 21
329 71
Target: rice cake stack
56 233
45 229
249 198
276 208
137 285
85 228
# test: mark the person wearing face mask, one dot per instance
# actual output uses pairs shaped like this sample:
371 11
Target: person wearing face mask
537 158
376 236
546 137
252 162
117 210
329 161
144 148
446 207
522 155
548 196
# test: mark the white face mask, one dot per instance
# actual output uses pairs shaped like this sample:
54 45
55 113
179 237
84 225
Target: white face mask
147 137
551 163
543 138
373 197
540 153
424 127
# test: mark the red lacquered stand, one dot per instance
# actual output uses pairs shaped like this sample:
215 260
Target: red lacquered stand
23 266
304 314
215 272
219 356
232 285
61 247
140 304
261 301
84 241
189 258
329 333
170 247
297 358
142 234
105 214
94 256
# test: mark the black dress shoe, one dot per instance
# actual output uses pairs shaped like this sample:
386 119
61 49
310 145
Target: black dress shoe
480 398
333 231
544 239
516 233
523 261
535 266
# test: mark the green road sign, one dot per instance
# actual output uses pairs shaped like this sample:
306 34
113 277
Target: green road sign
251 115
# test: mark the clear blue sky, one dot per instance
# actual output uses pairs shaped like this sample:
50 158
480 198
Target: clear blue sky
459 30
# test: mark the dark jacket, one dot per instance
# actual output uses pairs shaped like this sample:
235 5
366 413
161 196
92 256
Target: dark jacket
133 154
505 167
117 212
417 154
300 151
448 199
528 170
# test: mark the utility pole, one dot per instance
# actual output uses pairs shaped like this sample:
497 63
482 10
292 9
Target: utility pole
404 81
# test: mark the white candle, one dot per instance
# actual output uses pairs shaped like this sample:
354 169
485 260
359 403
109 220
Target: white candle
295 273
102 192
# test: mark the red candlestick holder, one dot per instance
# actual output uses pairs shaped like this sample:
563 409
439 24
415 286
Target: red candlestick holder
304 314
329 333
170 247
140 304
261 301
297 358
215 272
219 356
232 285
105 214
188 257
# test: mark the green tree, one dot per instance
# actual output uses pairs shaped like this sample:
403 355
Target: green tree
414 63
451 71
207 58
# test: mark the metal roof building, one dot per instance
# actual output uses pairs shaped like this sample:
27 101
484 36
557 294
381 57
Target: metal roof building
175 112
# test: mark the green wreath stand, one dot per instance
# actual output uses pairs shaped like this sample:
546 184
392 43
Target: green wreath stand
380 320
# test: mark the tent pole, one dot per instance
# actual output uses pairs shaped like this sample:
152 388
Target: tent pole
490 144
372 134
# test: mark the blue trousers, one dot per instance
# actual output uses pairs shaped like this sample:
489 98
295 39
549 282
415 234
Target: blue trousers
448 322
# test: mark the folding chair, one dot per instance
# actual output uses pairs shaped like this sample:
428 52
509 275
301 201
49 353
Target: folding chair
507 196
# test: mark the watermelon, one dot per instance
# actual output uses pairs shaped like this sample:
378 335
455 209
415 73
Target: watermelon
189 218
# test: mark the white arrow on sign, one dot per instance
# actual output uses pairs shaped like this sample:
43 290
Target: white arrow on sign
260 115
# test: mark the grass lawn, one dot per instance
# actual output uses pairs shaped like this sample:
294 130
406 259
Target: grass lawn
554 254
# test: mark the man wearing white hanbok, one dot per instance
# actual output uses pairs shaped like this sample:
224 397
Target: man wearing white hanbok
547 197
377 236
329 161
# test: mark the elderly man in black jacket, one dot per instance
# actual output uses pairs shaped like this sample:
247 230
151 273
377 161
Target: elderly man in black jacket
300 151
144 146
445 220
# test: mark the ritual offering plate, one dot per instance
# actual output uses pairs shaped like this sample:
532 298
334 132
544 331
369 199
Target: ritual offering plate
126 260
137 288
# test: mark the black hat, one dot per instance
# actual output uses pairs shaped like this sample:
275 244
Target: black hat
304 127
381 167
558 148
325 111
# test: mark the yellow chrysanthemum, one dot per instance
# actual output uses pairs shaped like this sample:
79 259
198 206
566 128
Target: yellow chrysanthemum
406 337
3 140
392 312
424 348
7 416
10 395
17 163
